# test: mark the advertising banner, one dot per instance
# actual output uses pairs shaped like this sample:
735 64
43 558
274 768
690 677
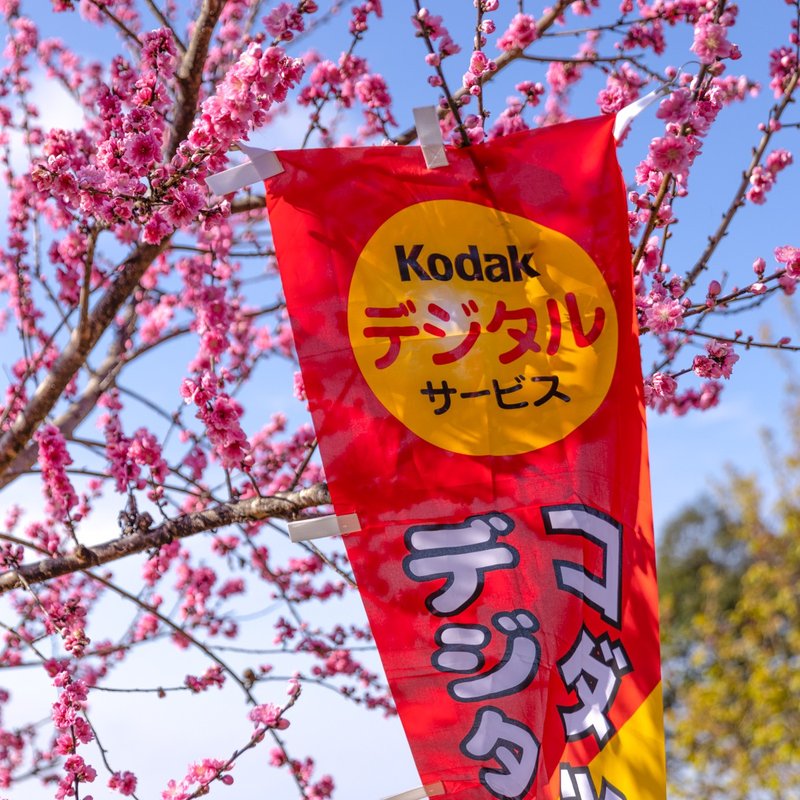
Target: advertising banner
469 348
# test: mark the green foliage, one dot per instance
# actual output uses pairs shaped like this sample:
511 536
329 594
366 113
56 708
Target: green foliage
730 584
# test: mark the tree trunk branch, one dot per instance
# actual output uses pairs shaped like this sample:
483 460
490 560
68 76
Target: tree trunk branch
282 506
83 340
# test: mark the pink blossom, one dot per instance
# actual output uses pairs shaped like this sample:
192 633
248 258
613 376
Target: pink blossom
510 120
719 361
156 229
664 316
182 203
782 65
677 107
299 388
142 150
790 256
54 459
283 21
532 91
711 42
762 179
438 33
212 677
372 92
269 716
159 52
358 24
123 782
670 153
520 33
622 88
663 385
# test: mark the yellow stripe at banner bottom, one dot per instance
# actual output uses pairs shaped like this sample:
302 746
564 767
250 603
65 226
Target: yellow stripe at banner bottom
633 761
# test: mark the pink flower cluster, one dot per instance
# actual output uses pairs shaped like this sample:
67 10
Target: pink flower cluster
360 14
674 153
510 119
220 413
197 779
269 716
560 77
711 41
213 676
145 451
54 460
348 81
437 33
123 782
127 455
74 730
782 65
790 257
702 399
719 361
762 179
99 171
479 66
195 586
622 87
259 78
284 21
520 33
659 385
276 462
663 307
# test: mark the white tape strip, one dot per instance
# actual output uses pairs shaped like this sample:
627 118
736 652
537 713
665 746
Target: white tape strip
430 136
263 164
431 790
302 530
626 115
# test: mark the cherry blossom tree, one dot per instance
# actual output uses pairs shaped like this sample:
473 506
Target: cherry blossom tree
142 469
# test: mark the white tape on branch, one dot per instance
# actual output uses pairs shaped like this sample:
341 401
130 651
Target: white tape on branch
421 793
430 136
263 164
302 530
626 115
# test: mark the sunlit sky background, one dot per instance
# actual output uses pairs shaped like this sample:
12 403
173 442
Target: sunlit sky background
367 755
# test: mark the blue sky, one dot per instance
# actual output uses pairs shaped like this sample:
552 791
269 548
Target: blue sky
687 455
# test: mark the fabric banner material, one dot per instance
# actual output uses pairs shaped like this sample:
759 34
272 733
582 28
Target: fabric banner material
469 349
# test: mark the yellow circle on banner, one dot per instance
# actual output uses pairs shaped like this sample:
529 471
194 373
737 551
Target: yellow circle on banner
483 332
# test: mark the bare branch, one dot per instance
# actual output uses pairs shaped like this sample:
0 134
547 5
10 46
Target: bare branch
283 506
251 202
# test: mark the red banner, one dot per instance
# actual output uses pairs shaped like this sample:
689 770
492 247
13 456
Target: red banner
469 348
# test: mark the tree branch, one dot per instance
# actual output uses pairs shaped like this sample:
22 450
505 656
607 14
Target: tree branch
283 506
542 24
83 340
190 72
102 380
74 355
739 195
